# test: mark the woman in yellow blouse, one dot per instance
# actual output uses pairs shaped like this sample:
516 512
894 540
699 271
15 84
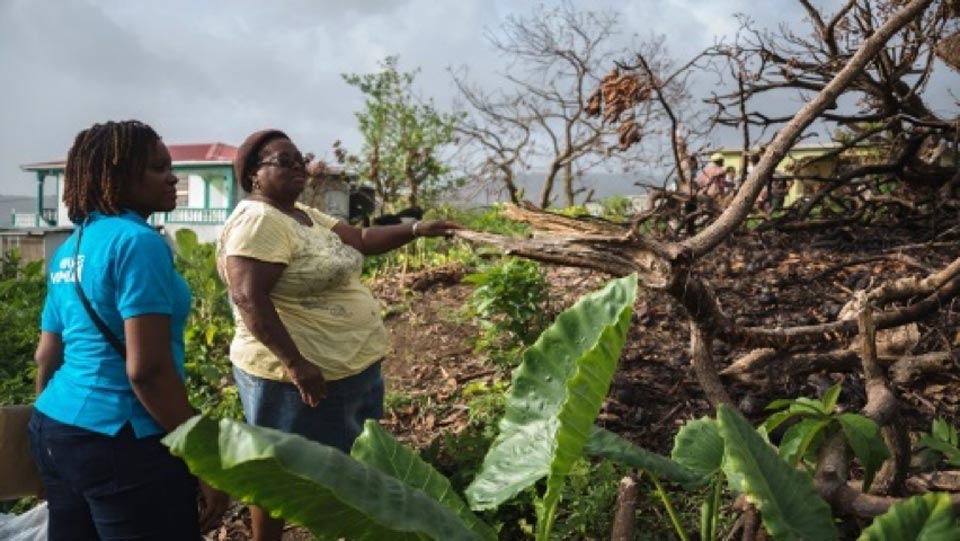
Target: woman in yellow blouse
309 338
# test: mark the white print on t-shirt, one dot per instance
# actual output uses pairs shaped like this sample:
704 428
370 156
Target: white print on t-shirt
65 272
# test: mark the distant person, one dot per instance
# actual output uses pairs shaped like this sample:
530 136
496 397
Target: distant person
111 354
777 188
730 179
711 177
309 338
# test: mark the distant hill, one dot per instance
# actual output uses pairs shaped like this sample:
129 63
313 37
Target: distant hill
604 185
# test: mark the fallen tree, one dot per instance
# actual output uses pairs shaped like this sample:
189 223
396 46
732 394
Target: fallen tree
848 343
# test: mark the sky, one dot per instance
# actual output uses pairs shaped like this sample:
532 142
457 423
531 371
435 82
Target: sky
217 70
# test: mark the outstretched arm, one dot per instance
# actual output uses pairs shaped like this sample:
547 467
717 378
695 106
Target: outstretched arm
383 238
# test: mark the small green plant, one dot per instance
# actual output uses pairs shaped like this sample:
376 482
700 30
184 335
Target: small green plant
617 208
817 420
942 440
508 302
589 498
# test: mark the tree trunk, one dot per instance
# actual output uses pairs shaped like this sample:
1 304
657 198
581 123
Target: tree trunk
568 183
548 185
624 515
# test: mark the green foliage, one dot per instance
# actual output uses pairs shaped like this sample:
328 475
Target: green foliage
556 394
929 517
488 220
22 291
431 252
328 492
376 448
605 444
401 137
461 453
617 208
699 448
208 331
789 505
589 499
943 440
509 304
817 421
420 254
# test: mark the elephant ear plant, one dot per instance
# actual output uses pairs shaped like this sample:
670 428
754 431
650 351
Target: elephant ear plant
332 494
384 491
556 395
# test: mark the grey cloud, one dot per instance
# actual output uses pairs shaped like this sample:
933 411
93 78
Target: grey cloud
217 70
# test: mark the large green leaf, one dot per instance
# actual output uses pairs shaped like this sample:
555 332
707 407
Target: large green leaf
798 438
789 505
606 444
863 435
944 431
949 451
555 397
319 487
699 447
376 447
830 398
929 517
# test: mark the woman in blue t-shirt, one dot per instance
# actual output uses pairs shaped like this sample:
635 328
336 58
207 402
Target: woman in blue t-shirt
110 358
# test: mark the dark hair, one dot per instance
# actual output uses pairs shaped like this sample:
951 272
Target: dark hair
245 162
102 159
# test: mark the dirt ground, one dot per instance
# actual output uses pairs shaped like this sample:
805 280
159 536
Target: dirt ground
768 279
762 280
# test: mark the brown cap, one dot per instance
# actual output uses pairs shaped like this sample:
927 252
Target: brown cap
246 158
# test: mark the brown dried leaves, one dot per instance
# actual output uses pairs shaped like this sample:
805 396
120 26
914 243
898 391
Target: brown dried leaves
619 93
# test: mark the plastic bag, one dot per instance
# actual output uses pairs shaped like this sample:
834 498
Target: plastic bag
29 526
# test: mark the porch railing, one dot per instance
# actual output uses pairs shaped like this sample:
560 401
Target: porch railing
47 218
196 216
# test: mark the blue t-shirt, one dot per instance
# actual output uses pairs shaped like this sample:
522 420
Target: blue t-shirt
126 270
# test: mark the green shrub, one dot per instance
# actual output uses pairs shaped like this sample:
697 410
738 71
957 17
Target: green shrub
209 330
509 303
488 220
617 208
22 291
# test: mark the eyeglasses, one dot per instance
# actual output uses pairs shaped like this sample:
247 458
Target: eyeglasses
284 161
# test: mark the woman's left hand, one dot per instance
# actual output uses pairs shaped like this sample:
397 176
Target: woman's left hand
436 228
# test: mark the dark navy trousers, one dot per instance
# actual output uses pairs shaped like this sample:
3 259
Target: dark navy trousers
112 488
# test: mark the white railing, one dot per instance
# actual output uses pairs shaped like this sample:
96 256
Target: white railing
31 219
196 216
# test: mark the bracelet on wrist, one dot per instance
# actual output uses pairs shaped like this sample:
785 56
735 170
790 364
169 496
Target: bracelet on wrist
414 229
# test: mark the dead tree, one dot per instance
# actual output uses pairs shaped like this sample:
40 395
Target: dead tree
557 58
890 138
671 267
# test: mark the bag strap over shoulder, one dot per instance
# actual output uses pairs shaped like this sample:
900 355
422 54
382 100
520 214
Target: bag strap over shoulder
118 346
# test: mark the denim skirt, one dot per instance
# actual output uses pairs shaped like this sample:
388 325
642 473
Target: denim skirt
336 421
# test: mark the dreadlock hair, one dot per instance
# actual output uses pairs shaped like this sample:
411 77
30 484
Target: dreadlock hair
103 158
